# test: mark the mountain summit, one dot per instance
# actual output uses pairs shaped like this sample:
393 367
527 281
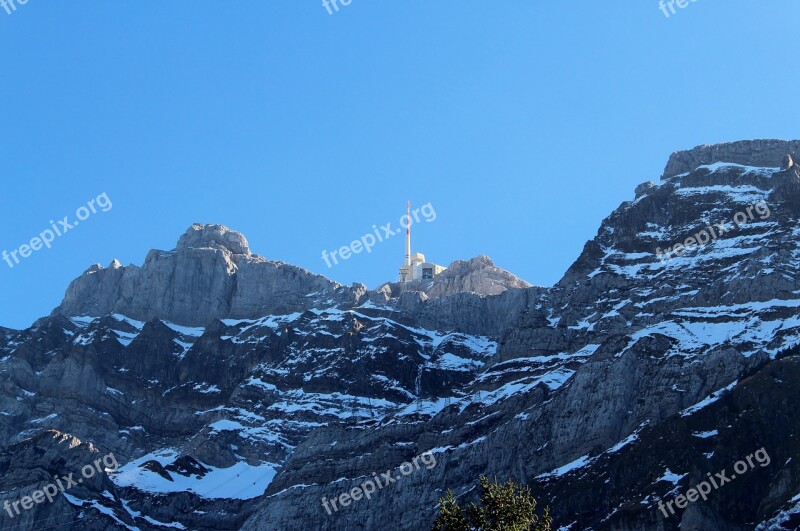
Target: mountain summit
217 237
211 274
237 392
754 153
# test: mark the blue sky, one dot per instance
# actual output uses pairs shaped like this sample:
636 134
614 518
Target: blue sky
523 123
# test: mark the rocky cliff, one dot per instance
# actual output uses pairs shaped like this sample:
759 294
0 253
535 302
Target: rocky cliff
237 392
754 153
210 275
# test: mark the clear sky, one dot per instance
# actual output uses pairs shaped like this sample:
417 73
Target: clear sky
523 123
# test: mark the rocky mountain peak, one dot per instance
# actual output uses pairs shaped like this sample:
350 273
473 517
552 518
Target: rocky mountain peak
477 275
479 262
760 153
638 364
211 274
220 237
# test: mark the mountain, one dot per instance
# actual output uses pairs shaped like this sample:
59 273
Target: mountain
210 274
242 393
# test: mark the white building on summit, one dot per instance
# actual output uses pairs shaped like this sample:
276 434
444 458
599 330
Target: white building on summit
415 267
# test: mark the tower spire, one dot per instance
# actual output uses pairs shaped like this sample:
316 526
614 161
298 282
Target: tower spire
408 234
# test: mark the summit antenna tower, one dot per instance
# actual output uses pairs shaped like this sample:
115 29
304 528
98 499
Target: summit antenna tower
415 266
408 234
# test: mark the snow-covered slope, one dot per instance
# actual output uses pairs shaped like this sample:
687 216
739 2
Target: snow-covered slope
288 388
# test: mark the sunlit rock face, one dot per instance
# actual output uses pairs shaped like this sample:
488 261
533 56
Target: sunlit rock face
211 274
237 392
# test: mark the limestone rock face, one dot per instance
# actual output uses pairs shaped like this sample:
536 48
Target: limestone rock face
759 153
218 237
30 465
211 274
471 296
478 275
644 187
638 339
589 391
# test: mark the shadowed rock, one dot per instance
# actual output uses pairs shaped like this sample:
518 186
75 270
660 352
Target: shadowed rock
761 153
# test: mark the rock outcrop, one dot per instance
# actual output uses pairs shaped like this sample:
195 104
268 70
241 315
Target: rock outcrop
211 274
478 276
36 463
471 296
759 153
218 237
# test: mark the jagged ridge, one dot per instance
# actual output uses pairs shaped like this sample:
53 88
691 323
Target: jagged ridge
309 402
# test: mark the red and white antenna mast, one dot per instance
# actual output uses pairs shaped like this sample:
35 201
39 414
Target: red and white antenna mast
408 235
